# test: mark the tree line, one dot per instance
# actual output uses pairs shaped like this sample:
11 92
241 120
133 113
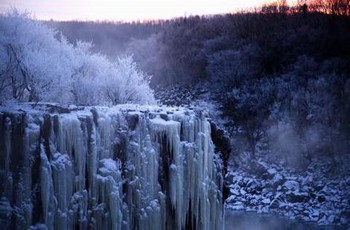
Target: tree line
333 7
282 79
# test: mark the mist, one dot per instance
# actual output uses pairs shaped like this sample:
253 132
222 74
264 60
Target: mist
275 84
272 85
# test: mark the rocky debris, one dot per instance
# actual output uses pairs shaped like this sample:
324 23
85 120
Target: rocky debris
295 195
291 185
177 95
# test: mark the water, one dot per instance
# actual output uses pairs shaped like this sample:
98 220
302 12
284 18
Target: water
240 220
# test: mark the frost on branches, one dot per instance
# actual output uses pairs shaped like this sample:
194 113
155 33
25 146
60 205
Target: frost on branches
38 64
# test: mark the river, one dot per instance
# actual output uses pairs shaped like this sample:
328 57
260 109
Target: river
240 220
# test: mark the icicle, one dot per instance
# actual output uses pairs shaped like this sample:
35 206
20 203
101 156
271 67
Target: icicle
47 193
125 167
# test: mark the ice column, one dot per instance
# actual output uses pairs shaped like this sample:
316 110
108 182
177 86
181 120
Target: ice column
125 167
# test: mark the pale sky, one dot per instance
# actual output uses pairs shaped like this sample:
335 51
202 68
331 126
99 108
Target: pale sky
124 10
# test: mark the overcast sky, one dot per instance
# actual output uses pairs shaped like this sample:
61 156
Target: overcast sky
125 10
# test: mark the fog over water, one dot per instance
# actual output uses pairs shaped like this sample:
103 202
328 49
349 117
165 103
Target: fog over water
253 221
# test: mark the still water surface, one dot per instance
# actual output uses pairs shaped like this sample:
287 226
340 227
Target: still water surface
239 220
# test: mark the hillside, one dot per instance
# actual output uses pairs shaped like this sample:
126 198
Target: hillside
279 83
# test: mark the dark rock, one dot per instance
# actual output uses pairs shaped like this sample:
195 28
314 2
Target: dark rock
297 197
254 187
221 140
274 204
133 120
223 145
319 187
95 116
266 176
321 199
312 195
234 191
261 171
152 115
164 116
57 109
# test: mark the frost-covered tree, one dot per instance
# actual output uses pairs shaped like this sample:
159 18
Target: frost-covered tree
86 79
124 73
250 108
33 63
229 68
38 64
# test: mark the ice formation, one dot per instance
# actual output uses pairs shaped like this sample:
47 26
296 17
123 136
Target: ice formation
126 167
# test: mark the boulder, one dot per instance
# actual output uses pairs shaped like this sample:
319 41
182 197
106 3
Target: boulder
298 197
291 185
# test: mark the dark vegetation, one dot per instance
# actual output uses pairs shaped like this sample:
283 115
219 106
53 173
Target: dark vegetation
280 76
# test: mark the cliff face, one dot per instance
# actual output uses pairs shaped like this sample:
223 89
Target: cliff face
126 167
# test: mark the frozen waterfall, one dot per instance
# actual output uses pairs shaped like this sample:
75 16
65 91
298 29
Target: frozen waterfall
124 167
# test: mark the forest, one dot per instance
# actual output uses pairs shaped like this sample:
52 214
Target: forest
275 80
267 73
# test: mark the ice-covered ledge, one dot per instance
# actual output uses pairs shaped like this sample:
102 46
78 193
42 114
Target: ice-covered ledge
122 167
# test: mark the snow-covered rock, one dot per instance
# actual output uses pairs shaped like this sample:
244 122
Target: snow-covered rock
291 185
294 195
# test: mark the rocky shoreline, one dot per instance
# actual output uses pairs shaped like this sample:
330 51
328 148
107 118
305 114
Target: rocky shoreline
307 195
